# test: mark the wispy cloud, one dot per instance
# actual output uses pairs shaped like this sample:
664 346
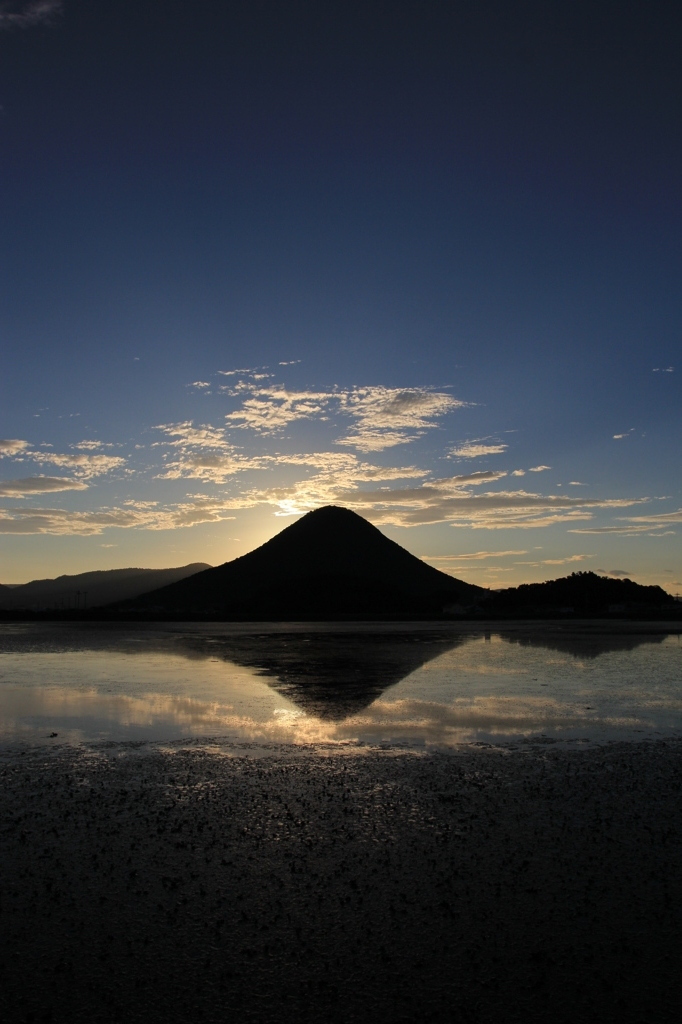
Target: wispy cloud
134 515
335 475
208 468
89 446
664 369
385 417
376 440
639 524
202 453
243 371
25 13
475 449
474 556
253 460
614 572
381 417
84 466
269 409
33 485
12 446
450 500
493 510
558 561
186 435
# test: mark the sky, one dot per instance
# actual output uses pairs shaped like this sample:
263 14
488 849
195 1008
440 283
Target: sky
421 259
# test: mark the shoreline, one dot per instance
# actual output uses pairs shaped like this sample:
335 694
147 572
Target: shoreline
155 884
97 616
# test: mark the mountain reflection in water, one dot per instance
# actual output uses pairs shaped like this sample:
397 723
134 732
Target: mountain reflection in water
431 684
338 674
329 675
582 644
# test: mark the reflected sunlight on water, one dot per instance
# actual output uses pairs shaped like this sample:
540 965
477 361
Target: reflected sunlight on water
409 687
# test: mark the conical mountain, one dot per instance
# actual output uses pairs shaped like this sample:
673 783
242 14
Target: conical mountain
329 564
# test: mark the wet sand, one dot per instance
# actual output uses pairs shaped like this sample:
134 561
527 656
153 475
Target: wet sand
182 884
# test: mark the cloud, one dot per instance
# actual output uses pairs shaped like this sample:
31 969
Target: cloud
640 524
186 435
576 483
385 417
379 407
474 556
200 384
558 561
376 440
135 515
337 473
90 446
24 14
268 410
382 417
343 467
614 572
84 466
38 485
377 418
490 510
12 446
450 500
473 450
209 468
202 453
664 369
289 362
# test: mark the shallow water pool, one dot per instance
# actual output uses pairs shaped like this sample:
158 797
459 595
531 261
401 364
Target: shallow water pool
421 686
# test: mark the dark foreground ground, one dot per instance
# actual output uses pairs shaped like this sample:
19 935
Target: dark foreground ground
541 884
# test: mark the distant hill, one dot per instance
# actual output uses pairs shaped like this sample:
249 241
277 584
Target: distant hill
330 564
582 594
91 589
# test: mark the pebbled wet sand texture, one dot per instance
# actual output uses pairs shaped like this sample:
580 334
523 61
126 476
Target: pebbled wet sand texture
196 883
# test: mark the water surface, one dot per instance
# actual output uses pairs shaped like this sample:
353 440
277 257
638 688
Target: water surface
422 686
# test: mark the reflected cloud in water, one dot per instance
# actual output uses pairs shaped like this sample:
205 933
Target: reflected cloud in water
424 687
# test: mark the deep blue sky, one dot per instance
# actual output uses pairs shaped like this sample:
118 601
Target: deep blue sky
478 201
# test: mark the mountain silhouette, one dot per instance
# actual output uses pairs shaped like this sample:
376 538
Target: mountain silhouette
584 595
91 589
330 564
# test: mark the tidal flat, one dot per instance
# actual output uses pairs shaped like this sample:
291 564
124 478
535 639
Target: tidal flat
177 882
340 823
